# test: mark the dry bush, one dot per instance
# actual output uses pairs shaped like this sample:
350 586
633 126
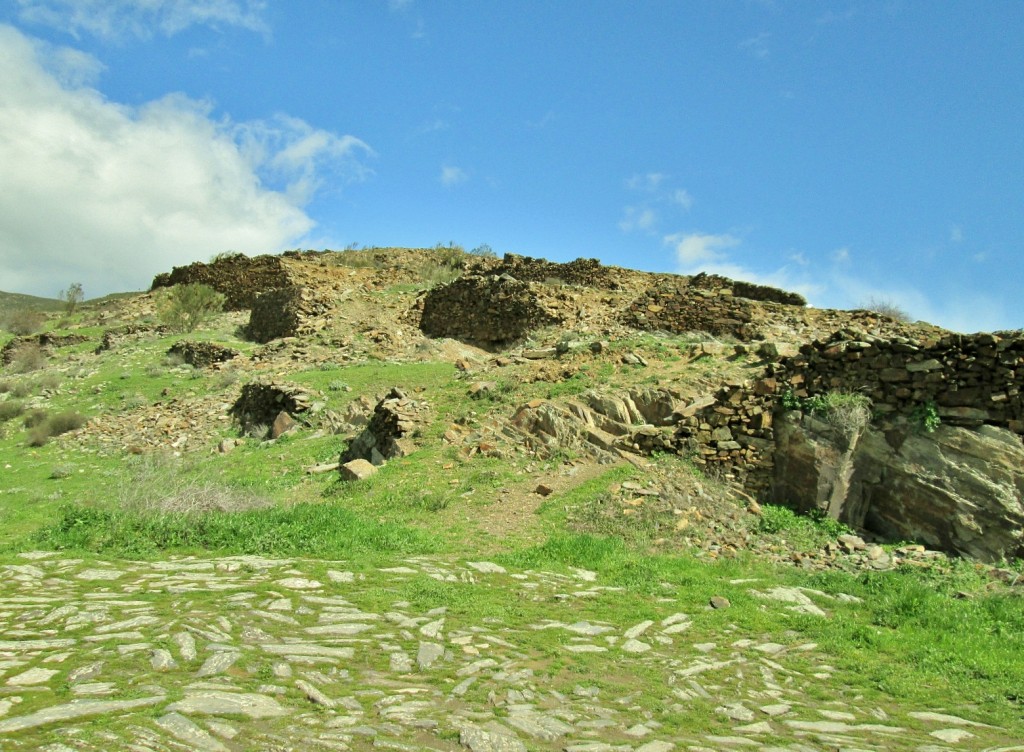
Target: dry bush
167 485
28 357
886 308
24 322
45 427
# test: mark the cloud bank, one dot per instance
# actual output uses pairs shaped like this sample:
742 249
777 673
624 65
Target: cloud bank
107 195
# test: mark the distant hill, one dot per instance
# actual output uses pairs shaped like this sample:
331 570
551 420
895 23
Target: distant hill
13 301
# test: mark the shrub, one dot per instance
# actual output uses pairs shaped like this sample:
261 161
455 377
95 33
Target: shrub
28 357
484 251
6 386
35 417
185 307
48 381
11 409
21 390
24 322
886 308
43 428
850 412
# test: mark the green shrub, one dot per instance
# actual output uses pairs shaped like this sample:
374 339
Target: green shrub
185 307
926 418
35 417
850 412
11 409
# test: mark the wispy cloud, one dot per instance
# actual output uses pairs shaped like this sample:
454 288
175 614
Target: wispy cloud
757 45
653 191
956 234
841 255
120 19
682 198
649 181
638 218
137 190
452 176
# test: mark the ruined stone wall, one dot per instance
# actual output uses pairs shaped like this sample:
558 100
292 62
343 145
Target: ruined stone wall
585 272
239 278
747 290
679 306
970 379
485 310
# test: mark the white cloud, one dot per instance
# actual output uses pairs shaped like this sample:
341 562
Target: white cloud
108 195
452 175
841 255
695 249
118 19
956 234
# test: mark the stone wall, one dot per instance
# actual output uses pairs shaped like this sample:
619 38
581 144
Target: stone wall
391 430
202 354
970 380
239 278
490 311
707 304
44 341
585 272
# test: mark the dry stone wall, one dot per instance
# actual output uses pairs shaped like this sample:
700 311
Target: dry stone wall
260 402
491 311
284 312
708 304
970 380
202 354
239 278
584 272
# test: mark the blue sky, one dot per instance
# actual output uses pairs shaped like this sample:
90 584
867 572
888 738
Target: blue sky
846 150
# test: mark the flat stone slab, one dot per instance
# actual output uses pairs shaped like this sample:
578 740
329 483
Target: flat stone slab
249 704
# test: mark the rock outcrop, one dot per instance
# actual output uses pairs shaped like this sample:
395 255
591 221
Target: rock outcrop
955 489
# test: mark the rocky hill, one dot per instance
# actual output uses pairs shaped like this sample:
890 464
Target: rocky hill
474 406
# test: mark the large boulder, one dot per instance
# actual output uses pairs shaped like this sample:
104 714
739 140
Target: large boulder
956 489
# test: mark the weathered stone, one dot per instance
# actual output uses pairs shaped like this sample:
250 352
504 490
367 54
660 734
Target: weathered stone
74 710
188 732
213 702
282 424
358 469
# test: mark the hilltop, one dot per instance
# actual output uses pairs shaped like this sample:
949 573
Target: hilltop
528 421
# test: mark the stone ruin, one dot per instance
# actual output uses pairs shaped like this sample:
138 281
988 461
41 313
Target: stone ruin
391 430
493 311
239 278
202 354
44 341
261 403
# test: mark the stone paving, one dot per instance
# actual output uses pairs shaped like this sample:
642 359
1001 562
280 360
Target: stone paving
245 653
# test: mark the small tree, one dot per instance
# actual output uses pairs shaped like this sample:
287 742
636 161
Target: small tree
186 306
71 297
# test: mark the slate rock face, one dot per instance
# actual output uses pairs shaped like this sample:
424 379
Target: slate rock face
956 489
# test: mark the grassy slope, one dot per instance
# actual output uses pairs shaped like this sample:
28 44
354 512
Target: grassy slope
908 640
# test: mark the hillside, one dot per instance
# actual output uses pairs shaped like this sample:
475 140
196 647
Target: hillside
450 501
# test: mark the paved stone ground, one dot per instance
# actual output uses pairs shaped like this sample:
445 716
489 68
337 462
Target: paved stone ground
243 653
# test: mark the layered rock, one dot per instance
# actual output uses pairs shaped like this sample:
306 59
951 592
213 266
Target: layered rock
956 489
